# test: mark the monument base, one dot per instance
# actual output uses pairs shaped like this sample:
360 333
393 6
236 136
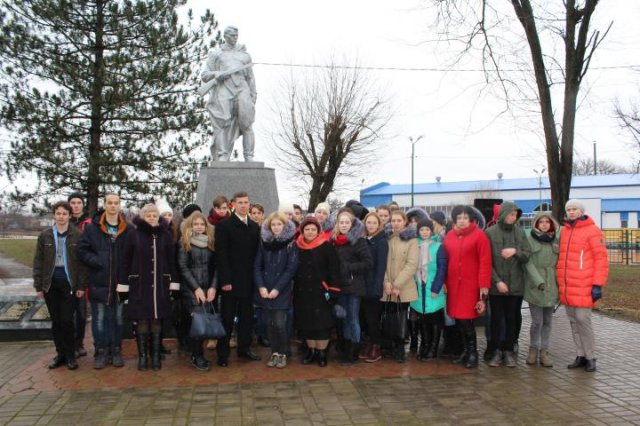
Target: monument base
228 177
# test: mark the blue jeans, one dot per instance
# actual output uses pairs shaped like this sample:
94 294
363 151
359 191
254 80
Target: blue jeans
106 323
351 324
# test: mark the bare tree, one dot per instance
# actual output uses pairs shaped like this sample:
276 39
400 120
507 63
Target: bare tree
584 167
329 123
561 44
629 119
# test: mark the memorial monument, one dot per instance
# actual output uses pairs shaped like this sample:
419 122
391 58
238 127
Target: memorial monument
229 82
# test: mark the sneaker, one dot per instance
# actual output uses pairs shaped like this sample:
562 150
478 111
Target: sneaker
199 362
496 359
509 359
273 361
281 362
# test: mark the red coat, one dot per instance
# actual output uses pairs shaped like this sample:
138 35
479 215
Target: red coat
582 262
469 269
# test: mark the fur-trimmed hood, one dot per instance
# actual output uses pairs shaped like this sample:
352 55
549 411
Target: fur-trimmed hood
329 224
417 212
408 233
143 226
355 233
286 235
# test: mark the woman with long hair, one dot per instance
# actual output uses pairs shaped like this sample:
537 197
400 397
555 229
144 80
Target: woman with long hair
196 262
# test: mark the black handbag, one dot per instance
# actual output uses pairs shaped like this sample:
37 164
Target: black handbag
393 322
205 324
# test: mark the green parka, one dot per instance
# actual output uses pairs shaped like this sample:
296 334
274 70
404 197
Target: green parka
501 236
541 288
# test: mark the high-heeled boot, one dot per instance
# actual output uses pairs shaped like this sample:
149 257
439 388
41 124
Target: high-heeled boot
143 357
156 342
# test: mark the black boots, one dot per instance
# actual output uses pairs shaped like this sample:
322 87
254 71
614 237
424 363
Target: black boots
143 355
579 362
414 329
426 340
311 356
322 357
156 351
469 357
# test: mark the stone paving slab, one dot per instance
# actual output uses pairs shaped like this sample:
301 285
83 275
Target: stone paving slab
384 393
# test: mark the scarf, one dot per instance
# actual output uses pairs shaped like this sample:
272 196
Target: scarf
315 243
200 240
214 218
340 240
425 259
543 237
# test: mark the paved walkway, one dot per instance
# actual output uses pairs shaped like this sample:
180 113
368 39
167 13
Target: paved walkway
249 393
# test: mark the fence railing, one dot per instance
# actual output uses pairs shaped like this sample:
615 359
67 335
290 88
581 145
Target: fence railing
623 245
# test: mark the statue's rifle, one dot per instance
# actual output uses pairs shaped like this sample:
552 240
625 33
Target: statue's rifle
204 88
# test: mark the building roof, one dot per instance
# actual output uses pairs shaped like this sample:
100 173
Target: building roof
385 188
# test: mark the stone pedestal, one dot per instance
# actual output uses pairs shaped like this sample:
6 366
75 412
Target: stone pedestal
228 177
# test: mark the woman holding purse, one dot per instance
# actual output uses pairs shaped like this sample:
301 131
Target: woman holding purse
402 263
196 262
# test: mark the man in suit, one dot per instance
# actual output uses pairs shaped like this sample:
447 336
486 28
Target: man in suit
236 244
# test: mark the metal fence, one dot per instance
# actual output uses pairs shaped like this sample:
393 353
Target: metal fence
623 245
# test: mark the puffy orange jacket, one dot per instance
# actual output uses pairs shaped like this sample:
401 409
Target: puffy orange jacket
582 262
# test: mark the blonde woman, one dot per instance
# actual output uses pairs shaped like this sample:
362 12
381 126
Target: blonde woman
196 262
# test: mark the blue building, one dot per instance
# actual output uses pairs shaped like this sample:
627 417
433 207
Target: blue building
612 200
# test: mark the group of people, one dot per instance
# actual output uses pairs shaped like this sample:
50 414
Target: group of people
321 277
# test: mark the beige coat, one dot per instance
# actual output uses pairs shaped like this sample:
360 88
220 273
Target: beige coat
402 264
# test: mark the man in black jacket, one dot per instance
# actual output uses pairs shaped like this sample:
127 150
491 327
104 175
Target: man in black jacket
236 244
101 248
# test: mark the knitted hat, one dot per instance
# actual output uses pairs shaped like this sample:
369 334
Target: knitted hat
310 220
163 206
439 217
358 209
188 210
76 195
575 204
323 206
425 222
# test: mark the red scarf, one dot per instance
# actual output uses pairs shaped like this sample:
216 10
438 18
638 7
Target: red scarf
315 243
214 218
340 240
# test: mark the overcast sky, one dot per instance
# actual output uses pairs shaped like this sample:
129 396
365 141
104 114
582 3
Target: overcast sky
465 138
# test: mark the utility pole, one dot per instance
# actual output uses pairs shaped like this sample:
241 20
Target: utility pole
413 152
595 160
539 173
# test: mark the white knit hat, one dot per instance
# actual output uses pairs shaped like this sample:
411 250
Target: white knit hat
323 206
575 204
286 207
163 206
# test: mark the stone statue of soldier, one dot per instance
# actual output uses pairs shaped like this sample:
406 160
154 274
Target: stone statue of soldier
229 80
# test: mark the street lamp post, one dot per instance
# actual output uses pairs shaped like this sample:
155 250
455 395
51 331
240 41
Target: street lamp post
413 151
539 173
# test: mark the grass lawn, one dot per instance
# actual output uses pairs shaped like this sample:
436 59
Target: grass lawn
20 250
621 295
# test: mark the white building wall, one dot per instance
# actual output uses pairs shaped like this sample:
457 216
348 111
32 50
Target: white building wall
633 220
611 220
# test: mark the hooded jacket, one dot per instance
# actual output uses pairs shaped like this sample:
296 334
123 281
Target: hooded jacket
402 263
103 254
510 271
541 288
582 262
354 258
275 265
379 249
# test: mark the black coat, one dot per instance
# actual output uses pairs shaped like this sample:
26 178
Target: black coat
236 248
355 261
148 269
275 266
103 253
379 249
312 309
197 268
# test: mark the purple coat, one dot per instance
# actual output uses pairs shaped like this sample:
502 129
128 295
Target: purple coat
149 268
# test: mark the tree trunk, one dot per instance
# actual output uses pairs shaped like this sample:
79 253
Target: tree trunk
93 159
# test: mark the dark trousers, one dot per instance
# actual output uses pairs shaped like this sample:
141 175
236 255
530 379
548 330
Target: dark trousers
504 309
80 320
242 307
61 305
276 322
372 310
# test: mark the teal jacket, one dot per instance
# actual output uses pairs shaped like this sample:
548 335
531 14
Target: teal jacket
510 271
434 283
541 288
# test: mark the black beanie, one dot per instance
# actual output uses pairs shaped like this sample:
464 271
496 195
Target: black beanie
76 195
439 217
425 222
188 210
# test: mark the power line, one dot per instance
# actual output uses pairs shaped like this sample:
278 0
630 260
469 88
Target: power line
369 68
